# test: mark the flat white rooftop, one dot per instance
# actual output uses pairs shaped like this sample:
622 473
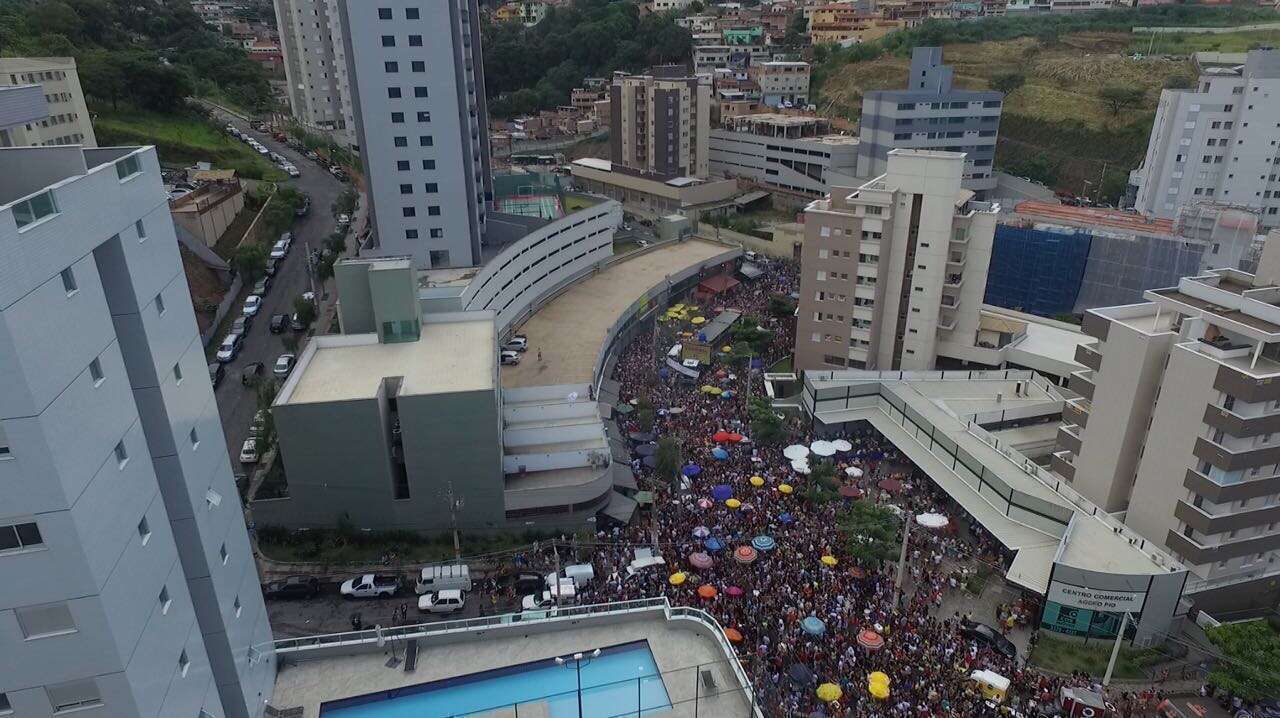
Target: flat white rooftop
450 356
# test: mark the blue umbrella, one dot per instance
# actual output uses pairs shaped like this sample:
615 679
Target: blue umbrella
763 543
650 461
721 492
786 518
713 544
726 394
813 626
691 470
719 453
663 372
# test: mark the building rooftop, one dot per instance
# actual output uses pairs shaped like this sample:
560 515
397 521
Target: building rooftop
1093 217
451 355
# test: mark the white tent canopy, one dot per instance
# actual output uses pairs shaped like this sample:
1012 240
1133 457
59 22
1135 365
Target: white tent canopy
823 448
796 451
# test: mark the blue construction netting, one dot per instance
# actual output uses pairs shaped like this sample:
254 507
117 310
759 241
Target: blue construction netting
1037 271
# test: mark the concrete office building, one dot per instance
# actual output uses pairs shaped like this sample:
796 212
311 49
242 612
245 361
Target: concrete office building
894 268
1216 142
796 155
931 114
315 67
659 125
67 117
1176 424
130 584
417 87
781 83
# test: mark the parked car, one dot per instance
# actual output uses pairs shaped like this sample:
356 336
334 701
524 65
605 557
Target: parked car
230 347
292 587
284 365
514 347
261 286
270 267
252 305
433 579
249 375
529 583
509 358
303 209
279 250
249 451
277 158
258 424
986 634
370 585
286 238
446 601
344 219
292 171
241 325
278 322
547 598
295 323
216 372
519 340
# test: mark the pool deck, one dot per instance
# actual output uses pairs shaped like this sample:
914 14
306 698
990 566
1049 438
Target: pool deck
678 647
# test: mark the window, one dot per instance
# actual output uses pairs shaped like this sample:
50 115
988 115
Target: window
95 371
72 695
34 209
393 93
419 91
45 621
406 189
384 13
128 167
439 257
69 281
391 66
121 454
424 117
433 211
411 13
415 41
165 600
418 66
222 554
436 233
411 234
194 436
397 117
20 536
409 212
177 373
388 40
400 141
144 530
402 165
159 304
183 663
428 164
432 188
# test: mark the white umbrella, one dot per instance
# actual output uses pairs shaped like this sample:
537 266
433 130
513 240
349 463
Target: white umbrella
842 445
932 521
823 448
853 471
800 466
796 451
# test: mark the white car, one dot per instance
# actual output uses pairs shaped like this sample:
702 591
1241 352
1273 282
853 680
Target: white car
344 219
252 305
292 171
509 358
262 150
284 365
249 451
370 585
446 601
279 250
229 347
519 342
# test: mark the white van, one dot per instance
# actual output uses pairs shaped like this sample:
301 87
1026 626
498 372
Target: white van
581 573
446 601
441 578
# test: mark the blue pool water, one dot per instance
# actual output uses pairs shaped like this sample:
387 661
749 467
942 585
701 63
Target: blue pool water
623 681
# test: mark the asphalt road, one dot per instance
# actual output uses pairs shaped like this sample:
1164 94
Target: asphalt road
237 403
330 613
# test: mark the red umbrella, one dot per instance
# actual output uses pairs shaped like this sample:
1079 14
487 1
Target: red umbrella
744 554
733 591
735 438
857 572
733 635
870 640
893 486
851 492
721 436
707 591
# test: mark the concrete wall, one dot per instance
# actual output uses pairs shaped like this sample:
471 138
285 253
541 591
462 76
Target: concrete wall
453 438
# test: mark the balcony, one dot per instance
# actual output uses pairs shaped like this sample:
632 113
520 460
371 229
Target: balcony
1095 326
1196 553
1245 387
953 282
1220 523
960 237
1076 411
1081 382
956 259
1221 493
1069 438
1230 460
1240 426
948 302
1060 462
1089 356
947 320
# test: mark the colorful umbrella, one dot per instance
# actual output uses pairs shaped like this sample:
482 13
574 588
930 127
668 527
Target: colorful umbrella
706 389
700 560
733 635
720 436
813 626
720 492
878 685
829 560
800 674
719 454
850 492
650 461
893 486
678 578
857 572
757 481
698 320
726 348
707 591
701 532
785 488
716 391
829 692
786 517
736 438
713 544
704 503
733 503
691 470
764 543
744 554
870 640
733 591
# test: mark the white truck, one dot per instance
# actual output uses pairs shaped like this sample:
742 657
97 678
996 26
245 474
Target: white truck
370 585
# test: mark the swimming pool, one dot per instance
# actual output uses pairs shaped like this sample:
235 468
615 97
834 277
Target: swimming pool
623 681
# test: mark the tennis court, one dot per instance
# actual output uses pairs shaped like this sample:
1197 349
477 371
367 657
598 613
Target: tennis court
546 206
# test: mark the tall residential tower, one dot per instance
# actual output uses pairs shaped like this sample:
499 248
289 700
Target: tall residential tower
659 125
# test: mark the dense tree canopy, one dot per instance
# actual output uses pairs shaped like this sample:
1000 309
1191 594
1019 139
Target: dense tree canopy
528 69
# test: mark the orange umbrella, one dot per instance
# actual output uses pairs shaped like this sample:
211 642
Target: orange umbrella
733 635
707 591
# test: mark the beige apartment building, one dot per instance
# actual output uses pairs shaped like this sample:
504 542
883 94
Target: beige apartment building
68 116
659 125
895 269
1178 424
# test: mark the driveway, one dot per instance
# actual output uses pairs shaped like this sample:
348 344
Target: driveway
237 403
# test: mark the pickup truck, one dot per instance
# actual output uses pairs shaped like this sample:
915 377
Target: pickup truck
370 585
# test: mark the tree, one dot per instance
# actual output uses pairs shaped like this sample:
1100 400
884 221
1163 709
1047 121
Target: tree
667 459
305 310
1252 653
766 426
780 306
870 532
1008 82
1179 82
266 395
645 414
694 8
250 261
1121 97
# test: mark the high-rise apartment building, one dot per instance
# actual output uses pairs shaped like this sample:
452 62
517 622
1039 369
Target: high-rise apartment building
894 268
1178 424
659 125
417 88
315 66
67 117
1217 142
130 585
931 114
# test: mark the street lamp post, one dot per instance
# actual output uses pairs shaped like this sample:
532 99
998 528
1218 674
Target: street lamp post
577 659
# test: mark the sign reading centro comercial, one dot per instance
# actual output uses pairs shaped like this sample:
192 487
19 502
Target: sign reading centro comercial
1096 599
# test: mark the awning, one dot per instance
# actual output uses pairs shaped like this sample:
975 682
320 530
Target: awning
619 453
1031 567
684 370
623 478
749 197
717 284
750 271
620 508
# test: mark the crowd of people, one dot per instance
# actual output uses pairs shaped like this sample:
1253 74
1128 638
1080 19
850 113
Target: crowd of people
925 653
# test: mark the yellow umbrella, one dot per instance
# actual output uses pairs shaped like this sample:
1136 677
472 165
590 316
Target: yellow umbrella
707 389
698 320
829 560
732 503
678 578
726 348
678 306
829 692
878 677
757 482
716 391
878 690
785 488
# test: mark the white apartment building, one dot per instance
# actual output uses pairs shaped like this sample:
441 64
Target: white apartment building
1217 142
796 155
782 83
315 66
659 125
894 269
67 121
130 585
417 87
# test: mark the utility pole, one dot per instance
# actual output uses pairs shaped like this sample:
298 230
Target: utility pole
902 558
455 503
1115 650
1098 198
555 588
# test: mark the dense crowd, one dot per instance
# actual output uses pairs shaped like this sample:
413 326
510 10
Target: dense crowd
924 652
